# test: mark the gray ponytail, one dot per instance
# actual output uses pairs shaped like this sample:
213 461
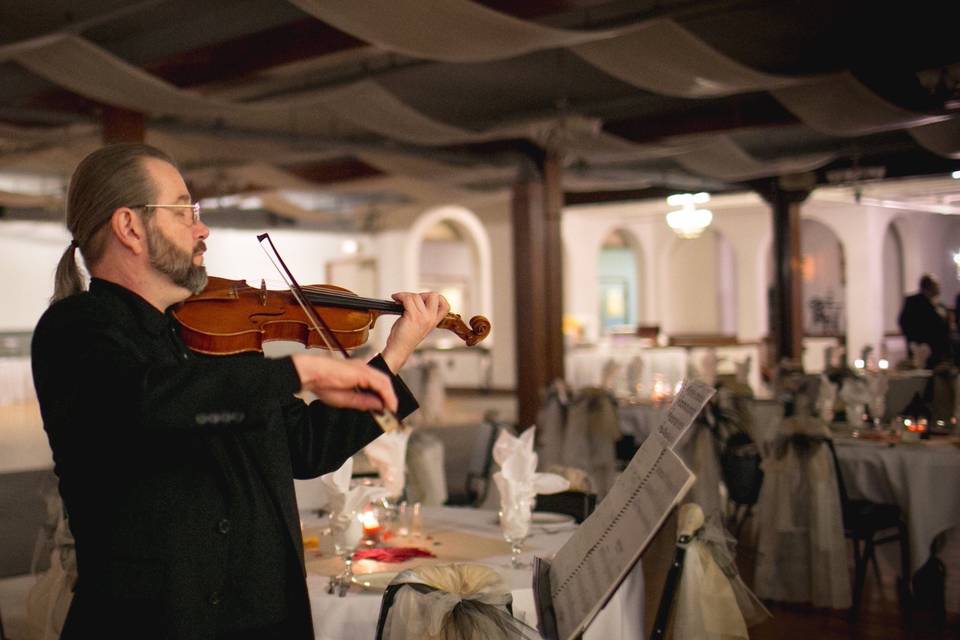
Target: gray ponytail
107 179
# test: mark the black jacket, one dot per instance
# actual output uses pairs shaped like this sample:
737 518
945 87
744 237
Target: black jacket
923 322
145 439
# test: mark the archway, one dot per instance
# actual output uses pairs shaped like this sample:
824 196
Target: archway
824 280
893 285
619 282
448 250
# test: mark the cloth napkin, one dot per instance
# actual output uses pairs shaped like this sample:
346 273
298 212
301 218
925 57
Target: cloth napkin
392 554
518 480
855 394
343 500
388 454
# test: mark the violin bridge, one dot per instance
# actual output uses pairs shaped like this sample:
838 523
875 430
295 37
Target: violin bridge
263 292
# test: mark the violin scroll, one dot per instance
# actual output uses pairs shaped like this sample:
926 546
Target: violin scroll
478 330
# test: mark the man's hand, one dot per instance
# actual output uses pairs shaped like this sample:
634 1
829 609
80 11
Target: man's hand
422 312
336 382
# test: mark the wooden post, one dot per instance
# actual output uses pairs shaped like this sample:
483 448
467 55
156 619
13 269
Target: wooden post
538 279
122 125
785 198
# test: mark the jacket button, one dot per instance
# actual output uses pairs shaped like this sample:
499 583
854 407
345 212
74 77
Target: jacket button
223 526
215 598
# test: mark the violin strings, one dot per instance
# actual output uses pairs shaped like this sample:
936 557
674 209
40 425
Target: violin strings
351 300
303 304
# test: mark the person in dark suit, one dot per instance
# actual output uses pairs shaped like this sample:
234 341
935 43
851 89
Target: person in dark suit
177 471
923 320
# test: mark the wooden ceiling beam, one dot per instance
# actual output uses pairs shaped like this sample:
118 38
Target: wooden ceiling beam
713 116
341 169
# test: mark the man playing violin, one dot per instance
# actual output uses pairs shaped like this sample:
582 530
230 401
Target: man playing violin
177 471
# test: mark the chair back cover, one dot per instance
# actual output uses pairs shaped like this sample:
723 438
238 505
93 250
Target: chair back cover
590 436
426 479
449 602
801 551
713 603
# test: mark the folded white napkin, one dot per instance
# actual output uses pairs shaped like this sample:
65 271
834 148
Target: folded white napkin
518 480
343 501
388 454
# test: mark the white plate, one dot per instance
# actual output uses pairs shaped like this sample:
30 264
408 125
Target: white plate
546 517
377 581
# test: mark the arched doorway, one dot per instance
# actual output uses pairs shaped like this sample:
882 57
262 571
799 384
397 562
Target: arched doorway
448 264
619 282
824 280
893 285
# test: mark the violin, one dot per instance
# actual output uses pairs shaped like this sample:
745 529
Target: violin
230 316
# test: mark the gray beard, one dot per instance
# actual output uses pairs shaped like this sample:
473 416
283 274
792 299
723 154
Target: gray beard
175 263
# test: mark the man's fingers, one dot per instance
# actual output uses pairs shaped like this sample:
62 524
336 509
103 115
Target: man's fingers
381 384
337 382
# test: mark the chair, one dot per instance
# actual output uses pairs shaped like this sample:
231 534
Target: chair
743 477
572 503
801 549
417 606
863 521
468 459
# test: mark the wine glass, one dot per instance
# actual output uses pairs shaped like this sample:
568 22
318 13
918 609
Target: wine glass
515 526
347 529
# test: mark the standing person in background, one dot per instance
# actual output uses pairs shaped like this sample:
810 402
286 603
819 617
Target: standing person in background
923 320
177 472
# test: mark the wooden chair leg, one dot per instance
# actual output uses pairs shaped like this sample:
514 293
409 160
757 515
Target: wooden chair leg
861 560
904 590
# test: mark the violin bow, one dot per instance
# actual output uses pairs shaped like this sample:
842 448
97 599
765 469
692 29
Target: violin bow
384 417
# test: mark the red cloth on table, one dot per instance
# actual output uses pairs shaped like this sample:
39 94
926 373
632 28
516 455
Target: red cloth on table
392 554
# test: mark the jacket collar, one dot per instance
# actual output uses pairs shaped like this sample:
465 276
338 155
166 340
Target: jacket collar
152 319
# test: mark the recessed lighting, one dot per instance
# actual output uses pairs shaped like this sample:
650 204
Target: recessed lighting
955 175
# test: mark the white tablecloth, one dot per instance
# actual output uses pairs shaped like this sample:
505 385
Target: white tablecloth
920 479
355 616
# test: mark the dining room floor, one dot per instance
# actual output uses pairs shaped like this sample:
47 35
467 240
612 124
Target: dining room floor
880 615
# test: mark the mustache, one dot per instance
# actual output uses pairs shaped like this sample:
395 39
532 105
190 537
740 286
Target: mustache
200 247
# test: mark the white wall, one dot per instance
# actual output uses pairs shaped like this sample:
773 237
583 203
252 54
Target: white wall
692 304
29 253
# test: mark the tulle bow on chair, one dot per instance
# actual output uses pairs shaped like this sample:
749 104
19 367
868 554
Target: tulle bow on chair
449 602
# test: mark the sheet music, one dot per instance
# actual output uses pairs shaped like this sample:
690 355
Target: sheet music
684 409
588 569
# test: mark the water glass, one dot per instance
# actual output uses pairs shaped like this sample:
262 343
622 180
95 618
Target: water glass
515 526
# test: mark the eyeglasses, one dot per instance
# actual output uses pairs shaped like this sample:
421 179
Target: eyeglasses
193 207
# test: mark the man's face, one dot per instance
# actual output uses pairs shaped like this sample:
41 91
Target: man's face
174 240
174 262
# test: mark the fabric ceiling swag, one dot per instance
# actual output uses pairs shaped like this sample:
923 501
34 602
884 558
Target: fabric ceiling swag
841 105
943 138
662 57
720 157
82 67
444 30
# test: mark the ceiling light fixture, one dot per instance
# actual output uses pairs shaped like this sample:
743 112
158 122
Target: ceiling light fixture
689 222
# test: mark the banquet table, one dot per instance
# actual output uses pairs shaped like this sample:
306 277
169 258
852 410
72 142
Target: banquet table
920 477
459 535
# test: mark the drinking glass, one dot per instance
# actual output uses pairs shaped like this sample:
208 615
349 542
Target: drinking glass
347 528
515 526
